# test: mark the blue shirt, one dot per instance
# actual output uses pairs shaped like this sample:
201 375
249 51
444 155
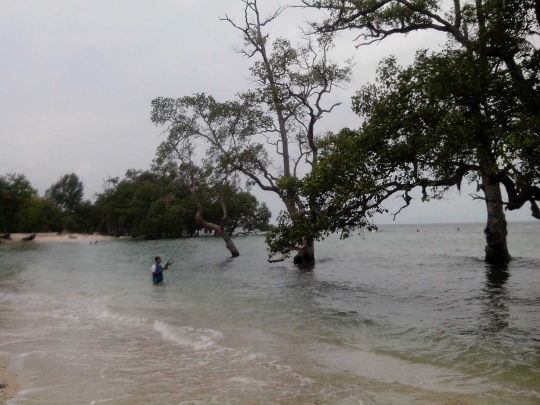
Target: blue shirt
158 278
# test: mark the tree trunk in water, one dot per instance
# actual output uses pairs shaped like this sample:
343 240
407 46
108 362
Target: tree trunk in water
229 244
496 228
306 255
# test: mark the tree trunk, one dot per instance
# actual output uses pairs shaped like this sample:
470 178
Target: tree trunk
496 228
229 244
306 255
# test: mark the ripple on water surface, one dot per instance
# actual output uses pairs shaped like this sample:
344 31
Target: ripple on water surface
418 309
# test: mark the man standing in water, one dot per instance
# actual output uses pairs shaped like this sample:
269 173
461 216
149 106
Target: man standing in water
157 270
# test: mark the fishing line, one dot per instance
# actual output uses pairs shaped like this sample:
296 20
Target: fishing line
177 249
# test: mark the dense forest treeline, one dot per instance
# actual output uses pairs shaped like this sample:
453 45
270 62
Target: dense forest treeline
143 203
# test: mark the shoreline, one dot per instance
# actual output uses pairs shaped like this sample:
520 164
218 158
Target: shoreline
18 238
9 384
55 237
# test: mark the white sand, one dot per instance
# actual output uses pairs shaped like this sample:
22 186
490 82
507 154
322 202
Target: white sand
55 237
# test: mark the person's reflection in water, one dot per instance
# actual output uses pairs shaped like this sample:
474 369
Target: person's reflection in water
495 313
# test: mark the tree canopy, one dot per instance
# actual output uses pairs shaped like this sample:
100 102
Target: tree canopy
67 192
466 113
160 203
143 203
266 136
15 192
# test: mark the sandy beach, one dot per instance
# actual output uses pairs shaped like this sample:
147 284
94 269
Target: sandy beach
8 382
55 237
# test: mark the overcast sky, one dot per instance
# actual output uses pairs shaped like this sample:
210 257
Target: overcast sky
77 78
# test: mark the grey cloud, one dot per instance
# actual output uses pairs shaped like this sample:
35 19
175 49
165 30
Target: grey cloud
78 77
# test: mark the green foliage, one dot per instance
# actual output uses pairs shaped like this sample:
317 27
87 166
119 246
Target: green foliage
289 186
244 210
15 192
155 203
290 231
223 129
279 114
470 112
241 206
39 215
258 220
144 203
67 192
444 119
159 203
72 214
85 218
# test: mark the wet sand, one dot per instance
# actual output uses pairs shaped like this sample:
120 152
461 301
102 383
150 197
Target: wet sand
8 382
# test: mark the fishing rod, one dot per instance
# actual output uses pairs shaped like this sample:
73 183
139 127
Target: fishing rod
177 249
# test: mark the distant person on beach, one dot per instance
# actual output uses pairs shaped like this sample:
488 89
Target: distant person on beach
157 270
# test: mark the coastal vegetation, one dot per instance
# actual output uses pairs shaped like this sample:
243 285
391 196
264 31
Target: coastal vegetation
267 134
467 113
142 204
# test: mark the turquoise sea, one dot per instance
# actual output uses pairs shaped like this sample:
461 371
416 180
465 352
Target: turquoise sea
407 315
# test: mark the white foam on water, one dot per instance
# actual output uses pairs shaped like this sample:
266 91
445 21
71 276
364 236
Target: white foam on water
255 356
205 355
247 381
216 334
197 338
106 314
304 381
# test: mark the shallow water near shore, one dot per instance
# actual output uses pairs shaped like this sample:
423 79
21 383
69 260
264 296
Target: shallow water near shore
393 317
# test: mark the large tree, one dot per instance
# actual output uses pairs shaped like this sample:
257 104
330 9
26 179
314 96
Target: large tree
144 203
39 215
268 134
494 93
15 192
426 127
257 220
67 192
220 129
246 212
209 187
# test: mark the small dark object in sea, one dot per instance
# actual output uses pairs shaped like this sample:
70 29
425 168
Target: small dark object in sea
5 236
29 238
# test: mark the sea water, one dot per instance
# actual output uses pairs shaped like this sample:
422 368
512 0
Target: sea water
407 315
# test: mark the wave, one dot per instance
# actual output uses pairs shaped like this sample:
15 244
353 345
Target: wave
188 336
